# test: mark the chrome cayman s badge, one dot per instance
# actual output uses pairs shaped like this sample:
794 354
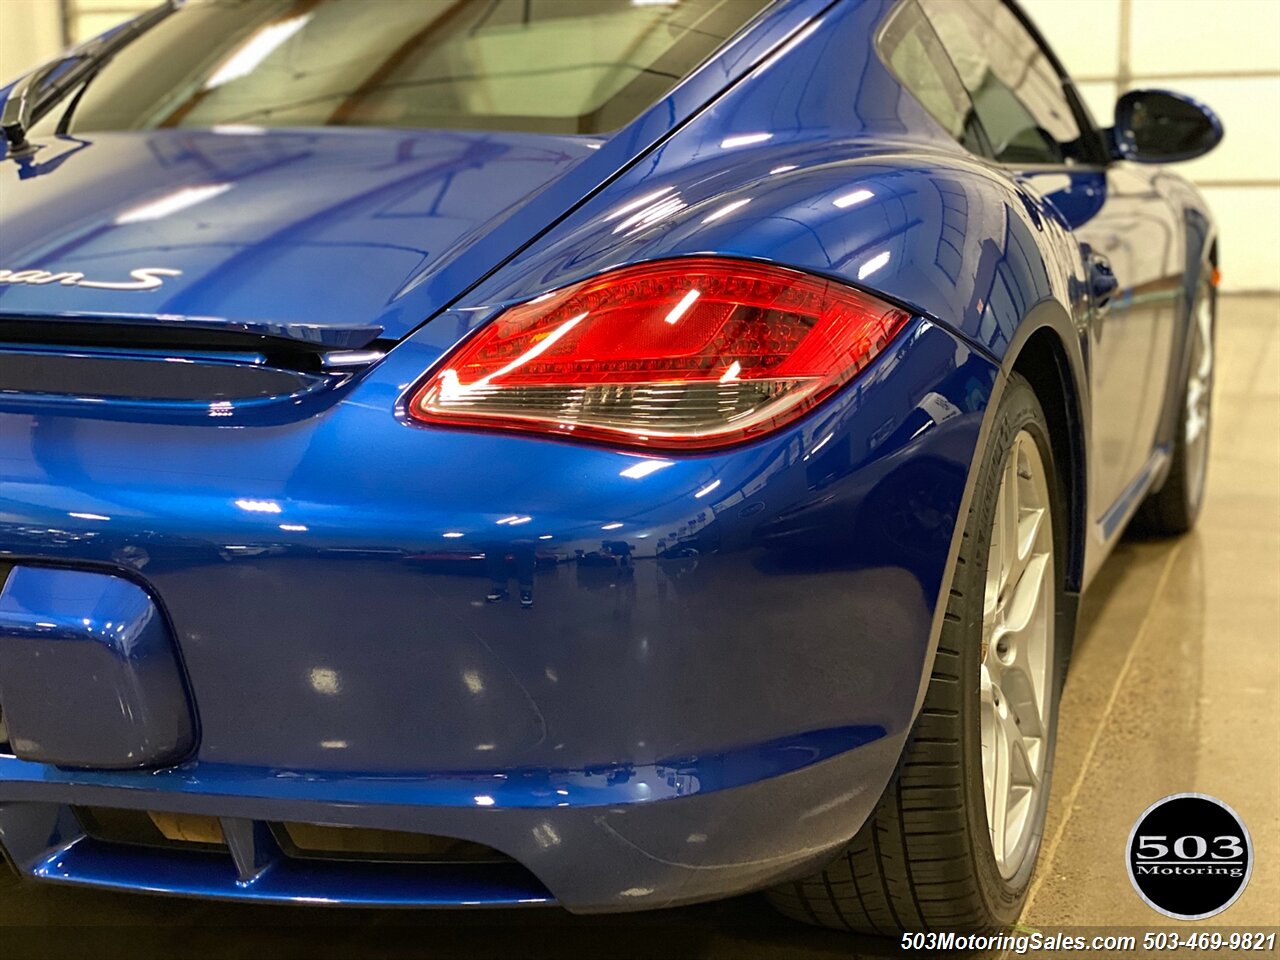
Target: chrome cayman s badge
144 278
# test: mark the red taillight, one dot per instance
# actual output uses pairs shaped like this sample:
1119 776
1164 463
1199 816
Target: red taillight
687 354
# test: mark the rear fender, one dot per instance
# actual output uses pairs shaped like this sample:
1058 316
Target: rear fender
1201 240
934 231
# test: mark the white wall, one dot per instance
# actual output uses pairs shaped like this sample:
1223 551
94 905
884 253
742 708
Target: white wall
30 33
1225 52
88 18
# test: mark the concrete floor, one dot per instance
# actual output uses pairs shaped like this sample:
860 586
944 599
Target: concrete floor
1175 687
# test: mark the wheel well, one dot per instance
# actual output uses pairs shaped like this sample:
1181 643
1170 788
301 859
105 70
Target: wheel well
1043 362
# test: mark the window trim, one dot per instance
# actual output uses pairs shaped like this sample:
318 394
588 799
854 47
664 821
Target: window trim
1094 154
898 11
1091 136
67 116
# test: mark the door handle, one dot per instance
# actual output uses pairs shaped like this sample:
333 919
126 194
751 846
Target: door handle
1102 281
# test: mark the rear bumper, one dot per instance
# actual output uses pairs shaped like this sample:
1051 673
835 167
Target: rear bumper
598 857
709 692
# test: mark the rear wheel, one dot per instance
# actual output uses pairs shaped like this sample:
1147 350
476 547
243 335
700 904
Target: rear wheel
953 841
1174 508
8 875
8 872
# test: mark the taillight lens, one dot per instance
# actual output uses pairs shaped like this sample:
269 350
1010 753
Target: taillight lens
688 354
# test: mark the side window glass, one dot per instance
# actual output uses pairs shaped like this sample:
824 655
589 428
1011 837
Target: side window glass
915 55
1015 90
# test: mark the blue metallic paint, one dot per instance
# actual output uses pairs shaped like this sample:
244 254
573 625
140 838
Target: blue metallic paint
130 708
49 844
638 855
359 649
757 174
733 635
386 225
366 600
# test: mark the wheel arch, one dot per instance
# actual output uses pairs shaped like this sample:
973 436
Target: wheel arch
1046 351
1042 360
1201 258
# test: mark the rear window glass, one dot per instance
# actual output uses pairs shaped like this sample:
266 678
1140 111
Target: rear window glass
555 66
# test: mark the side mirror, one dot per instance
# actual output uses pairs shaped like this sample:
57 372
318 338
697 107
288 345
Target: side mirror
1156 126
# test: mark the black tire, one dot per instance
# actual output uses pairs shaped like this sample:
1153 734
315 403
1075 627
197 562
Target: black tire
923 860
1175 507
8 873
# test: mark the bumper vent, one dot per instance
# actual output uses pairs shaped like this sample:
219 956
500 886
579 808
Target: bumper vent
296 840
259 860
318 842
151 829
5 747
154 377
184 367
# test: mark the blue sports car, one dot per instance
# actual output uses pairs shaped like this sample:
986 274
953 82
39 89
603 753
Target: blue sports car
606 453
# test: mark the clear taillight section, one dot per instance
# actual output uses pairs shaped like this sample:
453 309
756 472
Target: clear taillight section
688 354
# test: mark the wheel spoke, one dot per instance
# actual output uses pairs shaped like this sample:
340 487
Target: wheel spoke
1009 513
1024 557
1204 326
1196 423
1199 390
999 754
1026 772
1015 670
1199 383
1022 683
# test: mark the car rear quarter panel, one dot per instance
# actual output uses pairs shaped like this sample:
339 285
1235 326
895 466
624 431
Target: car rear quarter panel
327 622
821 161
721 621
339 628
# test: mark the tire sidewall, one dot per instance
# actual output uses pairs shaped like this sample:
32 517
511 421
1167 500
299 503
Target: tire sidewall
1018 410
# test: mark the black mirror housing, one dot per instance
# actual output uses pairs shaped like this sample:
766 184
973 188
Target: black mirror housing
1158 126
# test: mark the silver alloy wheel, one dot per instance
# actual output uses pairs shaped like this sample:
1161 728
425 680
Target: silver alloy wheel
1199 391
1016 667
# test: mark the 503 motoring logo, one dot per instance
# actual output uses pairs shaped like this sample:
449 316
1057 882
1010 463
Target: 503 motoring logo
1189 856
